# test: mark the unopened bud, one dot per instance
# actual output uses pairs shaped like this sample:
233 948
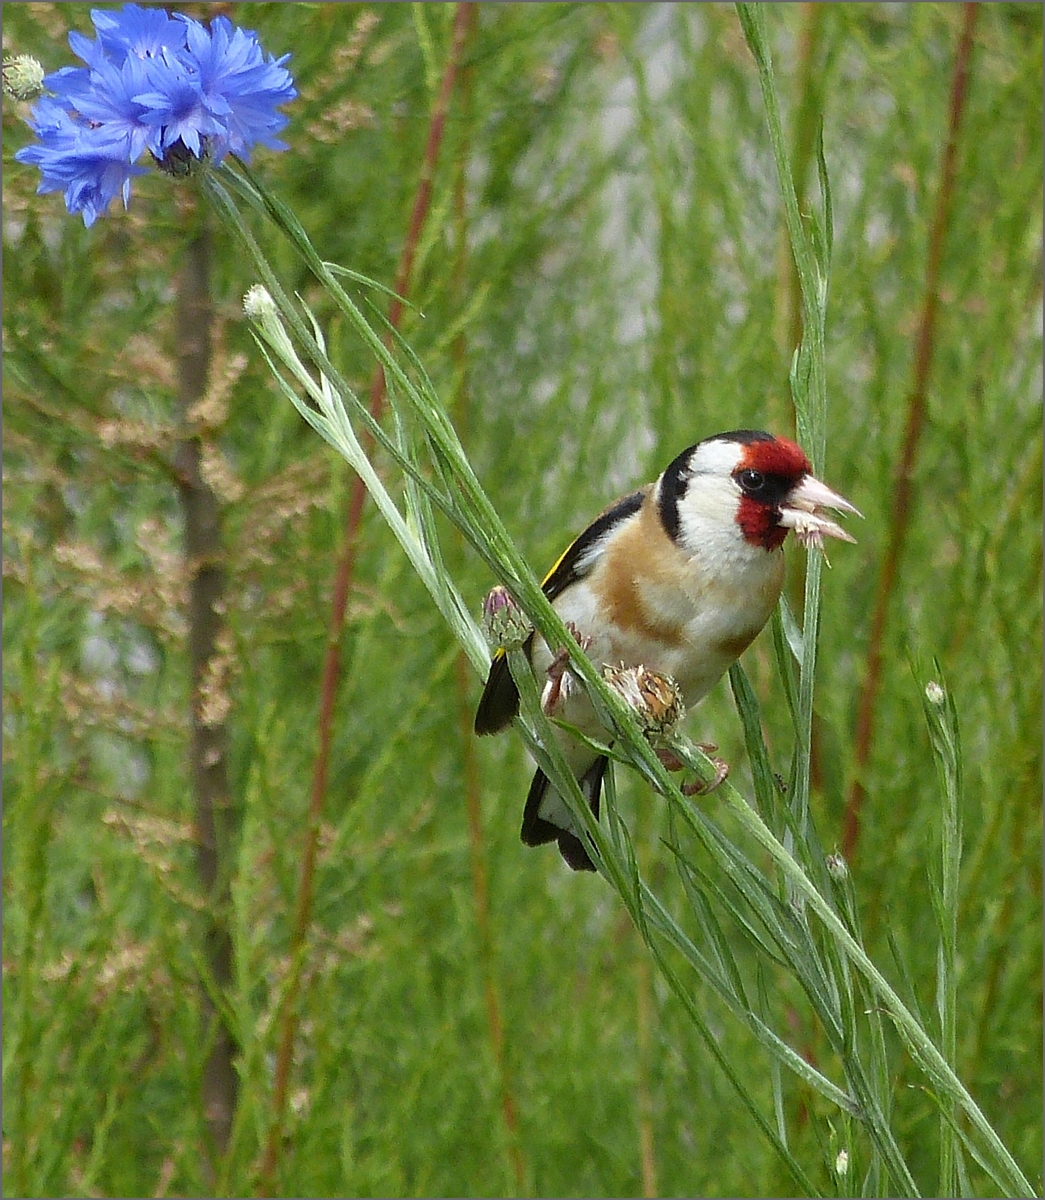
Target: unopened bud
258 303
842 1162
934 693
23 77
260 308
837 867
505 623
655 698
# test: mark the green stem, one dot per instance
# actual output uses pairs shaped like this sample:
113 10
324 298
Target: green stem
917 1040
808 379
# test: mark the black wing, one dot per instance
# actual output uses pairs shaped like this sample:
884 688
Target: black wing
573 563
499 704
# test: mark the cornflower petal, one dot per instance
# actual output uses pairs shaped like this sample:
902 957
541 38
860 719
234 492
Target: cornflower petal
111 104
240 86
137 31
71 83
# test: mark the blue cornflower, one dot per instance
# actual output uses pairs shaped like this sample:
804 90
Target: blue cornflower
82 162
108 101
174 107
239 87
153 83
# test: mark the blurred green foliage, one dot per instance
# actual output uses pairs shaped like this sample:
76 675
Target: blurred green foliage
602 281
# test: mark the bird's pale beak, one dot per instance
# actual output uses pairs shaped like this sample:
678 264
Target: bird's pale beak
801 511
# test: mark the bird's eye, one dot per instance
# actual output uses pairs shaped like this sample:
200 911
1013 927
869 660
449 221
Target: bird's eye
751 481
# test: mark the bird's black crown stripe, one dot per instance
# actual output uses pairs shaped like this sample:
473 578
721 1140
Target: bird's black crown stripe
744 436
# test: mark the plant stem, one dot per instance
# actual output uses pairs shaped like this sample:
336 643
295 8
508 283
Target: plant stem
463 677
917 1040
342 587
209 745
902 489
808 114
808 379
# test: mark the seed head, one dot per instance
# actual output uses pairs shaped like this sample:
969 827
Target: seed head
655 698
935 694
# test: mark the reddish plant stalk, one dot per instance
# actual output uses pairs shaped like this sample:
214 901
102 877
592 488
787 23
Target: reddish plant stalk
903 480
462 673
342 587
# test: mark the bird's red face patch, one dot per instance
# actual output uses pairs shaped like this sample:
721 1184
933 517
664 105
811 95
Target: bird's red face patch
779 464
759 524
776 457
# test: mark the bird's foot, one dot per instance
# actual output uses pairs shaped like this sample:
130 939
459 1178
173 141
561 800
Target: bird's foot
698 787
670 759
560 680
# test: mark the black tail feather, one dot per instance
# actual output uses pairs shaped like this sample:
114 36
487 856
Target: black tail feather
500 699
536 831
573 851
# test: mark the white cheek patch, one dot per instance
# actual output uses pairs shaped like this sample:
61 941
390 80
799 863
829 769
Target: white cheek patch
708 527
708 508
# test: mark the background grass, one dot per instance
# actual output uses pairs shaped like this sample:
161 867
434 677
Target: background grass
603 280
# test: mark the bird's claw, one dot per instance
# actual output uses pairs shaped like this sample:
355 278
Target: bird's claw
670 759
558 686
698 787
556 672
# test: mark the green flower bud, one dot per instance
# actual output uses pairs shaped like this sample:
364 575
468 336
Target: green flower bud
504 621
23 77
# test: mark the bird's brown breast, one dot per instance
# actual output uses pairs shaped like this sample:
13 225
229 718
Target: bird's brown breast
639 562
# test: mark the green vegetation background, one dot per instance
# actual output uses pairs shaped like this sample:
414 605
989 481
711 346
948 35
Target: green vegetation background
603 281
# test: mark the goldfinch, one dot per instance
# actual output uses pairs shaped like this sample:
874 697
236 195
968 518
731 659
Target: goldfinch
678 577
